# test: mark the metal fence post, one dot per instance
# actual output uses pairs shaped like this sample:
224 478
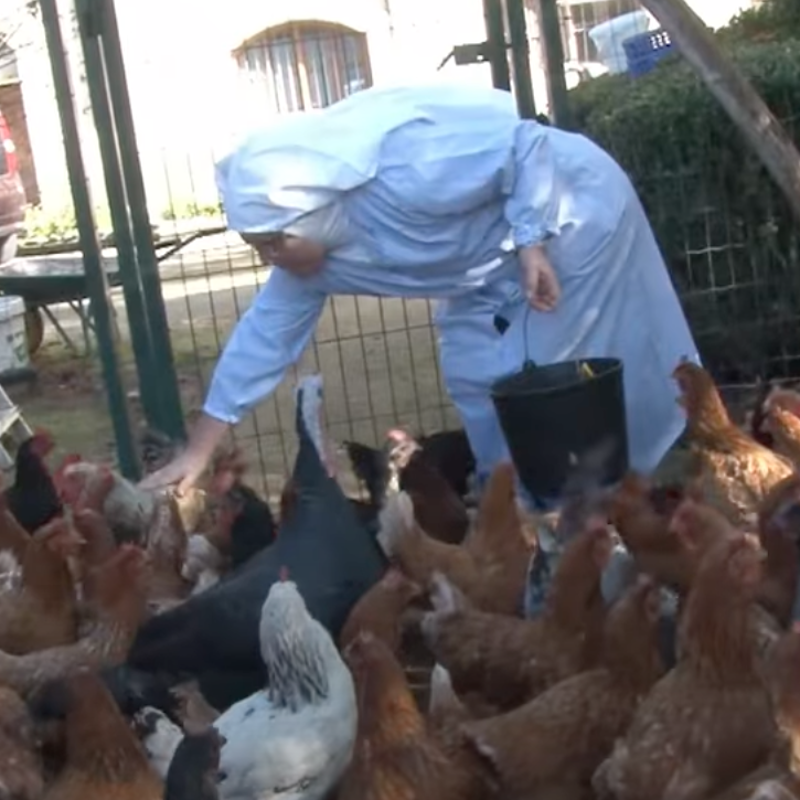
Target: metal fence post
496 41
521 58
171 422
90 245
554 63
118 206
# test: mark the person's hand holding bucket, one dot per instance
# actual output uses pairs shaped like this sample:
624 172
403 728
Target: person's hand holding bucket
539 279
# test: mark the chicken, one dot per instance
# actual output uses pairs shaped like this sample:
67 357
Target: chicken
490 567
439 511
448 451
734 471
646 534
42 612
193 772
193 709
166 553
20 762
782 410
203 564
396 756
159 736
14 539
118 603
779 779
246 525
756 417
104 759
507 660
708 722
380 611
213 636
33 498
779 530
128 509
294 739
565 734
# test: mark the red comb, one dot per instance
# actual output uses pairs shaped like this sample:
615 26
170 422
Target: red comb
283 575
397 435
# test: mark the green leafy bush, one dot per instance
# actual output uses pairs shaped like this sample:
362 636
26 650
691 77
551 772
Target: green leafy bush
728 235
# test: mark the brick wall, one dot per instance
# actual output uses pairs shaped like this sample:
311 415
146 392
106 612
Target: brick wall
13 108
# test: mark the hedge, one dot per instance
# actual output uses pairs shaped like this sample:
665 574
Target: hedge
729 237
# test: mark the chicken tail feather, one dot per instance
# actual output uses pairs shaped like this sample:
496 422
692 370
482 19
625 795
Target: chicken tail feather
443 699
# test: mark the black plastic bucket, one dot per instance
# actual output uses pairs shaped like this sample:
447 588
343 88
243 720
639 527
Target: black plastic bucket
558 415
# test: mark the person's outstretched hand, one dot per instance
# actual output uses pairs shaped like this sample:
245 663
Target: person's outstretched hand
182 473
539 279
186 468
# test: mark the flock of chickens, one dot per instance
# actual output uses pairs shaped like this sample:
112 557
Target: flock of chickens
638 644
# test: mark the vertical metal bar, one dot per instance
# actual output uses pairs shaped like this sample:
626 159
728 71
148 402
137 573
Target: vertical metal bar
496 38
171 421
521 58
90 246
554 63
118 206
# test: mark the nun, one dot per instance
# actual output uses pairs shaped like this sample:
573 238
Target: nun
443 192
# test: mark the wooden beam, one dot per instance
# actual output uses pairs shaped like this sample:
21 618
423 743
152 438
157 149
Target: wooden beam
767 137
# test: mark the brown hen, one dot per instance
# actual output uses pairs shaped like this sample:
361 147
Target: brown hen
708 722
118 607
380 611
42 612
395 756
506 660
734 471
104 759
490 567
20 762
560 738
780 778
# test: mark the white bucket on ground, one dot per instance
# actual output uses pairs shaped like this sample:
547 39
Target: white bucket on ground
13 341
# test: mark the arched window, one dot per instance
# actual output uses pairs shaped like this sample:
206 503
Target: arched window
304 65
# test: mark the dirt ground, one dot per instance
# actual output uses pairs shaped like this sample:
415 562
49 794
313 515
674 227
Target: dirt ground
377 357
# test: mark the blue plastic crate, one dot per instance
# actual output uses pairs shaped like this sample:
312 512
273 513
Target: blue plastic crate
645 50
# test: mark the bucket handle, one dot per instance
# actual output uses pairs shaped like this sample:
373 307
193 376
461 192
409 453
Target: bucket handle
528 363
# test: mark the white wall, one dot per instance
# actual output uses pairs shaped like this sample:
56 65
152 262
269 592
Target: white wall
188 103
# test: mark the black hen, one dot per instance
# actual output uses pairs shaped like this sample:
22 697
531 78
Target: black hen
329 555
33 497
252 526
192 773
448 451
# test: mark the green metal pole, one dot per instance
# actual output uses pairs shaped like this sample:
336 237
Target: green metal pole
521 58
550 27
90 246
118 206
496 39
171 422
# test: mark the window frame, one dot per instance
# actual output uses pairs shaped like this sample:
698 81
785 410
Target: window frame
300 70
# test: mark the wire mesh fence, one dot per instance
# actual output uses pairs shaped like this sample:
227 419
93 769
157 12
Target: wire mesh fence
729 249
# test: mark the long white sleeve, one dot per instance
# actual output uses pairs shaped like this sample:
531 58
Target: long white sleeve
270 337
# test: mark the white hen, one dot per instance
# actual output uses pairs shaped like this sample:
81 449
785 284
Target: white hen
294 739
